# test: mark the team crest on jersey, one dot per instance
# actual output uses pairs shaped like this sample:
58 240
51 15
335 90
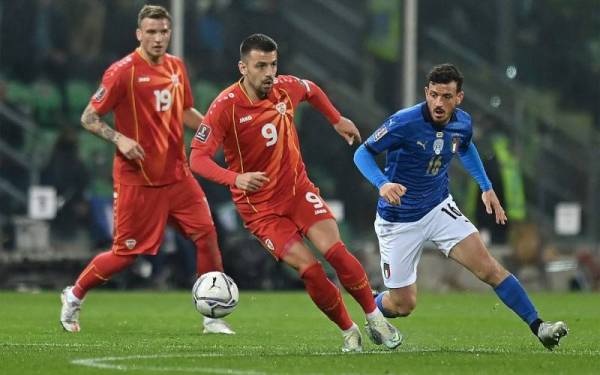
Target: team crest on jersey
386 271
130 243
438 146
269 245
455 143
175 79
380 133
100 94
281 107
202 133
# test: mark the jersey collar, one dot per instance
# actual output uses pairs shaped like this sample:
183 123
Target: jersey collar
274 95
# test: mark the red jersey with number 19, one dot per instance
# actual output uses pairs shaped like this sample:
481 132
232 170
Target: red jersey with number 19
148 101
261 136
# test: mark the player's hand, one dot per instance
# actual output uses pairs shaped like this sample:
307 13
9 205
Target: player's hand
492 205
251 181
130 148
392 192
346 128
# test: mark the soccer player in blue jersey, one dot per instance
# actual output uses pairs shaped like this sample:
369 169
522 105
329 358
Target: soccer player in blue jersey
415 204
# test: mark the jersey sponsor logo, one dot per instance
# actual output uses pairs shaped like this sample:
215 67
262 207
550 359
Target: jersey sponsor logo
269 245
203 133
422 144
438 146
380 133
455 143
320 211
281 107
100 94
143 79
130 243
386 271
245 119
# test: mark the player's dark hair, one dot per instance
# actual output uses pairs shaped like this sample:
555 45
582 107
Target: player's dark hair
156 12
260 42
446 73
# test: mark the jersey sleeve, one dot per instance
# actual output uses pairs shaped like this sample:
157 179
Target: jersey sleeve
212 130
188 97
305 90
389 134
110 92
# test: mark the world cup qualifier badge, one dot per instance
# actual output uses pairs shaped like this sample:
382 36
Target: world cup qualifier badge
386 270
202 133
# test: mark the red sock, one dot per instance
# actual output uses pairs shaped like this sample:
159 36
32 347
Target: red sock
100 270
208 254
326 295
352 275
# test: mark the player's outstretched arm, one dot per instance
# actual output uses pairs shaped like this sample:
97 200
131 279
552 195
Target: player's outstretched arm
346 128
192 118
492 205
92 122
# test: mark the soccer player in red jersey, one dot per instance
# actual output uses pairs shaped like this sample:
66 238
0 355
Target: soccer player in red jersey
253 121
149 93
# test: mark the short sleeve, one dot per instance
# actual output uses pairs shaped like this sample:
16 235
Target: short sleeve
109 93
388 135
211 132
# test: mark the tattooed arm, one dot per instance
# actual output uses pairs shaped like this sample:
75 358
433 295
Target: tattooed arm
192 118
128 147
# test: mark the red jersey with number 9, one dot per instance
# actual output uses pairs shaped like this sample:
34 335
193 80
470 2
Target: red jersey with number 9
148 101
261 136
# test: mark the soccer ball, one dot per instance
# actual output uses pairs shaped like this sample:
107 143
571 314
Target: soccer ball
215 294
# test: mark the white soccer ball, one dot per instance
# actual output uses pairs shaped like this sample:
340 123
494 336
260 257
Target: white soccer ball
215 294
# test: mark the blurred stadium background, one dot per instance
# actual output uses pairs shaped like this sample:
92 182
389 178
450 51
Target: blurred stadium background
532 71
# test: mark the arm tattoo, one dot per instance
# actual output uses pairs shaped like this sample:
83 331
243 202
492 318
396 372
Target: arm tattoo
92 122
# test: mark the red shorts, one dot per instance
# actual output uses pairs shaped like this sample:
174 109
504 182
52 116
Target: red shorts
141 214
282 225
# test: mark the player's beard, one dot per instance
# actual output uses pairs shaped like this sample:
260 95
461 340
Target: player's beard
265 88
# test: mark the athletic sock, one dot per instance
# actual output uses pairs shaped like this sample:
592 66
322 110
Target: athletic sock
100 270
326 295
379 303
352 275
208 254
514 296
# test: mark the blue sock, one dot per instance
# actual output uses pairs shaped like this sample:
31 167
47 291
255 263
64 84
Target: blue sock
379 303
514 296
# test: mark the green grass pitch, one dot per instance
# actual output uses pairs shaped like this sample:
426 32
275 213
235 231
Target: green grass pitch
283 333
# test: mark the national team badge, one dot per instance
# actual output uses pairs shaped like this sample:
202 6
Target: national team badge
438 146
175 79
100 93
455 143
281 107
203 133
130 243
386 270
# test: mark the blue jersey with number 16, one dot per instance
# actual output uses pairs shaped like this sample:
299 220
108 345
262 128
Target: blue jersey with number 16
418 155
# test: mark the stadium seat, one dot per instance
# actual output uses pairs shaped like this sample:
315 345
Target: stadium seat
78 93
